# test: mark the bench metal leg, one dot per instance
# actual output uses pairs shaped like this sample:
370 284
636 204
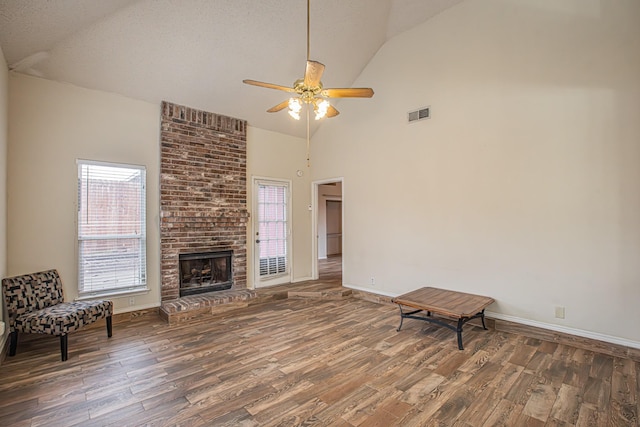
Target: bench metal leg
109 328
459 332
13 344
64 346
429 318
408 314
401 318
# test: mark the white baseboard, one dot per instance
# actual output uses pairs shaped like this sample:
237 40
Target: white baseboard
565 330
371 291
136 308
534 323
301 279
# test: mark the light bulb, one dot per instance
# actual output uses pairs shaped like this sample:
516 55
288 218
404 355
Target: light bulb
295 105
294 114
294 108
321 108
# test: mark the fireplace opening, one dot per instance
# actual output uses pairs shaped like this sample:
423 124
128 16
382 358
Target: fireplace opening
205 272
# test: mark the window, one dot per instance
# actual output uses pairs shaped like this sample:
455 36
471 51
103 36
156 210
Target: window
111 228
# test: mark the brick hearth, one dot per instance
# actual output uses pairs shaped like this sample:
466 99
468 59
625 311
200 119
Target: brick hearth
203 191
194 306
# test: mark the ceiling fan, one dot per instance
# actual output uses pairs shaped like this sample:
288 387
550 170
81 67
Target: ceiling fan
309 90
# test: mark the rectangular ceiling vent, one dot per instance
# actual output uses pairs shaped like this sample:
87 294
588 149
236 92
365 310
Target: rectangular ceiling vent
417 115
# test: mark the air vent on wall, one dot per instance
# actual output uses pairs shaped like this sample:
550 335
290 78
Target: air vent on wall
417 115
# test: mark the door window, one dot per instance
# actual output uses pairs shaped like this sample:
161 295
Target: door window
273 229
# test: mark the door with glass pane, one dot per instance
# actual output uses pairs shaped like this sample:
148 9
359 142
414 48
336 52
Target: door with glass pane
271 232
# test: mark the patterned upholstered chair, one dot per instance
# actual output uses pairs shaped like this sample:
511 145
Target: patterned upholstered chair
35 305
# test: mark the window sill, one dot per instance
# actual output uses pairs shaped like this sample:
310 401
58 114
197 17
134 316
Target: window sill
113 294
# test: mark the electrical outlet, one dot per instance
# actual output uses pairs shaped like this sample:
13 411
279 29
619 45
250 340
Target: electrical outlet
132 301
559 312
373 280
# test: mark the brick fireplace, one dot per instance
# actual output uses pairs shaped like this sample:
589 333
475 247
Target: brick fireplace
203 192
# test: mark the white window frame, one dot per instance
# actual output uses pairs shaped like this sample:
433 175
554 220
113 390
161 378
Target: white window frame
279 277
112 282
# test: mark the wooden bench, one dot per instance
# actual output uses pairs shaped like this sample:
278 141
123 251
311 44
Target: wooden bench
452 304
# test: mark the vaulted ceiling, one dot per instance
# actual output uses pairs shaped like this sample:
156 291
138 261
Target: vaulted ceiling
197 52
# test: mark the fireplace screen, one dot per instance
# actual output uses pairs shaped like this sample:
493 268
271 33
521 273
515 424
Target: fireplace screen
205 272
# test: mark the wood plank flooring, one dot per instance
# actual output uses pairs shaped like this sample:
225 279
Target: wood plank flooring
325 363
330 269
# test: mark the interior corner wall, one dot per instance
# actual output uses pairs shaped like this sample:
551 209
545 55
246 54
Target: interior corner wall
524 184
4 102
51 125
279 156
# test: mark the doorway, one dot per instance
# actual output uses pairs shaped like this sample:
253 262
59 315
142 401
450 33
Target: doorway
328 229
334 227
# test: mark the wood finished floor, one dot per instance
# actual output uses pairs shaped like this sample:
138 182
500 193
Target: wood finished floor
308 362
300 362
330 269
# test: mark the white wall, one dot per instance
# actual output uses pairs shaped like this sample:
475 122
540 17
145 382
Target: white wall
52 125
525 183
274 155
4 102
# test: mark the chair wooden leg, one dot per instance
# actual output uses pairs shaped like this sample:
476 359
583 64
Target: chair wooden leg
64 346
13 343
109 327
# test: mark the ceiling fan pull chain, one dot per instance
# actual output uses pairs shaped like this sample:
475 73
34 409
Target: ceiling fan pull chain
310 91
308 142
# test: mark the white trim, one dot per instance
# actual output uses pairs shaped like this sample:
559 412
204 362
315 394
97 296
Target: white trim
565 330
136 308
110 164
139 286
255 179
534 323
113 293
301 279
369 290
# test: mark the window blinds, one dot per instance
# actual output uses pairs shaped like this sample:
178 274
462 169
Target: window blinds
111 228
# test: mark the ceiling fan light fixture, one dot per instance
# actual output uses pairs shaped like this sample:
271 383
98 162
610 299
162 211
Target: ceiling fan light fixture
294 108
320 108
294 114
311 91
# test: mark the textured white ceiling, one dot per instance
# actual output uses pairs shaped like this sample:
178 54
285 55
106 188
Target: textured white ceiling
196 52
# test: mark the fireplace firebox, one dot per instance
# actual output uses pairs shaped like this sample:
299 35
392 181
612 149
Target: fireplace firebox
205 272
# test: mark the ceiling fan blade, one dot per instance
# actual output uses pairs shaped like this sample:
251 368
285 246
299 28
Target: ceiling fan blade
281 106
313 73
355 92
332 112
268 85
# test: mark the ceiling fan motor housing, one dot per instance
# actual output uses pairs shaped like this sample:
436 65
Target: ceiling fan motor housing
306 93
